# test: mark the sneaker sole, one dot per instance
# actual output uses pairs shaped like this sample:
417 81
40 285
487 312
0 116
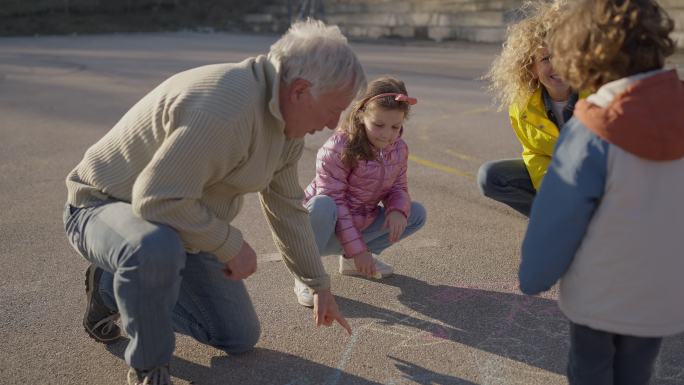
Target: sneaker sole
305 304
356 273
90 282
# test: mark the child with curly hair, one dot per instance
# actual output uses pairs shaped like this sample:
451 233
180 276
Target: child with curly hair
618 170
539 103
361 165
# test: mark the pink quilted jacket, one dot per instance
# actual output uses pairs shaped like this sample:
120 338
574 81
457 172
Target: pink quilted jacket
358 191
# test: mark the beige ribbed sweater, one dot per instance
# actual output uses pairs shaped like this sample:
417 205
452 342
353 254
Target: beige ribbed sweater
188 151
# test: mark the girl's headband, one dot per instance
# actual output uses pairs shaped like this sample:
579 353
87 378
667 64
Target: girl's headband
397 96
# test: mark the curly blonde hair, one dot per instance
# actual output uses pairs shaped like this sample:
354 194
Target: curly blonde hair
358 146
510 77
606 40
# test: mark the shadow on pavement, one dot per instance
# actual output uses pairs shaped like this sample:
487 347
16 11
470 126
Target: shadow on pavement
263 366
527 329
257 367
420 375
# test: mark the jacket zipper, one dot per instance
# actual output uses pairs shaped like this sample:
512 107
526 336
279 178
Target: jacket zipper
382 176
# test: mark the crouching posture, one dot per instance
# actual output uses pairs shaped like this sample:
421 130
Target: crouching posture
361 165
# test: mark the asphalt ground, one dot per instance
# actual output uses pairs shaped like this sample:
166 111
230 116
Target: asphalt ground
452 314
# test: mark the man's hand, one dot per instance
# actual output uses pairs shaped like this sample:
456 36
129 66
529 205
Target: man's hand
364 263
326 311
396 223
242 265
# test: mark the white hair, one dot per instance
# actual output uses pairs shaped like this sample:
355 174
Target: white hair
320 54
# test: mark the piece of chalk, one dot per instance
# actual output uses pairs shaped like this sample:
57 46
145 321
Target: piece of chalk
377 275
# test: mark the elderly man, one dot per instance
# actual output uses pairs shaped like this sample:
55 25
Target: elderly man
151 203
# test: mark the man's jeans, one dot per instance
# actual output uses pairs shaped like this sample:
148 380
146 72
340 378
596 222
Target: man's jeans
158 288
603 358
323 215
507 181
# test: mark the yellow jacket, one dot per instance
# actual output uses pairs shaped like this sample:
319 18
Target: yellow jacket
537 134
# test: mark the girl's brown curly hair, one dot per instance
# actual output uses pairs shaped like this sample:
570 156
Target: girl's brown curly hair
510 77
606 40
358 146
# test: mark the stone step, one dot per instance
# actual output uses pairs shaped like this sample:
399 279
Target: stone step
473 33
677 14
276 9
369 7
669 4
468 33
259 18
266 22
452 6
468 19
420 6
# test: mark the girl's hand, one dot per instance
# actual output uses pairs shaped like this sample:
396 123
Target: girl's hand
364 263
396 223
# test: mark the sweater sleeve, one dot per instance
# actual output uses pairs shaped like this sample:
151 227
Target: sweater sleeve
563 207
398 198
290 226
195 154
331 180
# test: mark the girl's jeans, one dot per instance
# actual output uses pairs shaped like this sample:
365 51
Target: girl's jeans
158 288
323 215
604 358
507 181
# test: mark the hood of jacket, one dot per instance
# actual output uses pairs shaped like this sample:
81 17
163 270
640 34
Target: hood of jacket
642 114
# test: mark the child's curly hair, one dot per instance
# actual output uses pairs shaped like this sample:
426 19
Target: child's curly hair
358 146
510 77
606 40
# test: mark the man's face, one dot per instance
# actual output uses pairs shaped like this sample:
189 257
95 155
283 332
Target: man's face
304 114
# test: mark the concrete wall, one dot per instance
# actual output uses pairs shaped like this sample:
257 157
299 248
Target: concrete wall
676 10
471 20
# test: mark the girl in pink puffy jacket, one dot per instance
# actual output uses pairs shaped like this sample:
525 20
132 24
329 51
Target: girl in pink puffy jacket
361 165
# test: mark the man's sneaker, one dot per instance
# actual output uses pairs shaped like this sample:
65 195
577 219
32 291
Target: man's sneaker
99 322
157 376
382 270
305 296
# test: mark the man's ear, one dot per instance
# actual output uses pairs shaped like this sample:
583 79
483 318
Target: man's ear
299 88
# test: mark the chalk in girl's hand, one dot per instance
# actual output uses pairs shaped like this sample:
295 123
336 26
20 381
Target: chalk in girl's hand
377 275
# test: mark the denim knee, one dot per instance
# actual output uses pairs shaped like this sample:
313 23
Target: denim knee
322 209
322 206
241 340
248 338
418 215
485 177
159 257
